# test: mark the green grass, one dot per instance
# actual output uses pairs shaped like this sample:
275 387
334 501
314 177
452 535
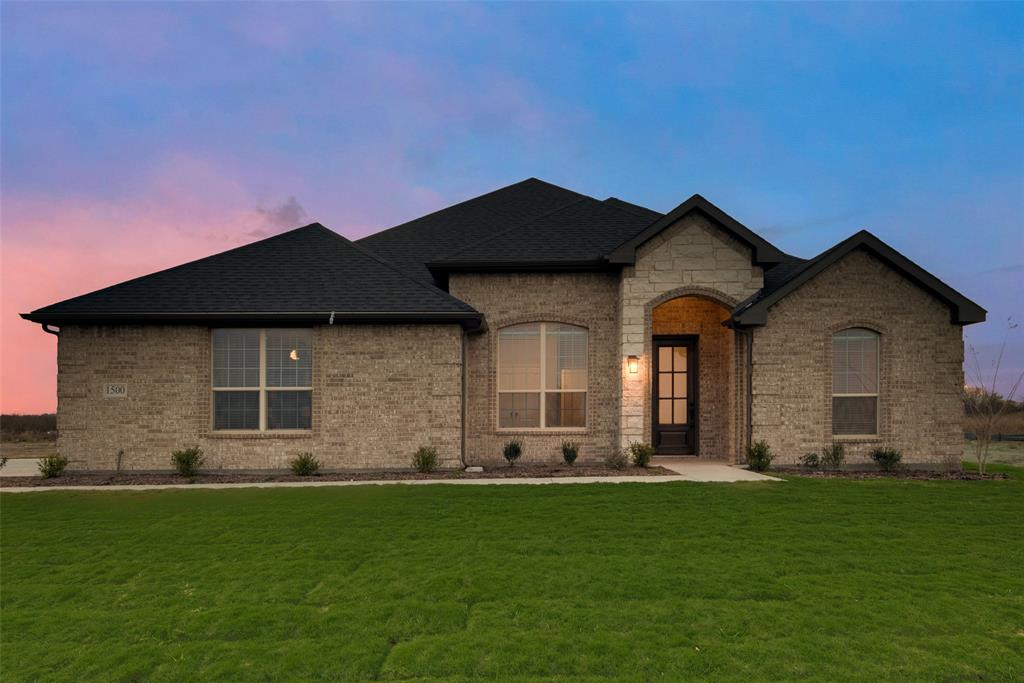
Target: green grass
821 580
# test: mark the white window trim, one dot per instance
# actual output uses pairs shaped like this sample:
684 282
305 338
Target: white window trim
263 390
875 395
542 341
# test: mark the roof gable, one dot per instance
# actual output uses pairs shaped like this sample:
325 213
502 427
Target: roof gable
754 311
764 253
308 273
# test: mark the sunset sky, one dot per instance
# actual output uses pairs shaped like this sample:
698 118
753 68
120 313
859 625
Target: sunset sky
138 136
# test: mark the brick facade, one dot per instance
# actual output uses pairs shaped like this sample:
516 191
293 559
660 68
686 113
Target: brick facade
380 391
921 365
586 299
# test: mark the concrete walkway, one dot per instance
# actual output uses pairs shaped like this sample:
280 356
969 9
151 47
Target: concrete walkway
692 469
687 470
20 467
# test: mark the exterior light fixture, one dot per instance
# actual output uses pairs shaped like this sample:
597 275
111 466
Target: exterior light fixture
633 362
294 355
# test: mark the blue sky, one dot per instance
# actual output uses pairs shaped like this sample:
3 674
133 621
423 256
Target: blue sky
137 135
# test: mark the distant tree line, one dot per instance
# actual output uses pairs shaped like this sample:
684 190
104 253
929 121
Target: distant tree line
28 427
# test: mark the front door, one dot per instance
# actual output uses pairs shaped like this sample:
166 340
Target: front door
675 396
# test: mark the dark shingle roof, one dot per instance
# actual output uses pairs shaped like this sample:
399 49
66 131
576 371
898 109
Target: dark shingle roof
307 272
410 245
583 232
754 311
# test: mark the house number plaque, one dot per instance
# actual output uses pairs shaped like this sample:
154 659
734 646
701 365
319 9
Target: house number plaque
115 390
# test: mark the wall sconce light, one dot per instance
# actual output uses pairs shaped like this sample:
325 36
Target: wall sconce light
633 363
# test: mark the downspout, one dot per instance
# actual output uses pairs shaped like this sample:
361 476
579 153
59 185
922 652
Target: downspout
750 385
462 421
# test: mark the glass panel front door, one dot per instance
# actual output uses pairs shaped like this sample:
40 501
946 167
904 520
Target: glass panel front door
674 400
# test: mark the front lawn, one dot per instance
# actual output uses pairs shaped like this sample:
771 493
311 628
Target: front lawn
806 579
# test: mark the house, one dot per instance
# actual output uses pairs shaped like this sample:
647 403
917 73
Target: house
531 312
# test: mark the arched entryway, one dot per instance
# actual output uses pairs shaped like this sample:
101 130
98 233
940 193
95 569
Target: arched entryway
691 398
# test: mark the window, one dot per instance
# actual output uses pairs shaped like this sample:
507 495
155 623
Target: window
542 376
855 382
262 379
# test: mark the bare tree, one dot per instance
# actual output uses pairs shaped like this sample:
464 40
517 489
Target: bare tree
983 402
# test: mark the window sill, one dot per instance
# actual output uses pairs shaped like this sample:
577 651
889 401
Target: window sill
537 431
270 434
857 438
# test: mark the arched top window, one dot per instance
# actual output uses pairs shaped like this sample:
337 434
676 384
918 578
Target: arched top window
855 361
542 376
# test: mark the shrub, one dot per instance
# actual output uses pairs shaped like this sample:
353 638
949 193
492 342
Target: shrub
832 457
425 459
641 453
188 461
3 461
811 461
759 456
887 459
617 460
570 451
305 465
52 466
512 451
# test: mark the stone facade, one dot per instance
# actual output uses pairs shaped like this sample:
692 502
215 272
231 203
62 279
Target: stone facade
589 300
692 258
921 365
379 392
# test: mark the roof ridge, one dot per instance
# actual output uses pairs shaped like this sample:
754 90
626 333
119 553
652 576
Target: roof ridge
517 226
531 179
367 252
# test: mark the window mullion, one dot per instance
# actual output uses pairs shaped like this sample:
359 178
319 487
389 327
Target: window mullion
543 377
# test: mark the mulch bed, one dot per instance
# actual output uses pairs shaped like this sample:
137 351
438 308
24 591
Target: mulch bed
129 479
921 475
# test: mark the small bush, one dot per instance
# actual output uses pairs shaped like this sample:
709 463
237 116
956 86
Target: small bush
759 456
811 461
425 459
570 451
641 453
617 460
832 457
512 451
304 465
188 461
52 466
887 459
3 461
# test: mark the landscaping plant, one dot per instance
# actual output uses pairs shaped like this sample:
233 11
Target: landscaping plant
641 453
759 456
887 459
617 460
188 461
425 459
52 466
570 451
811 461
305 465
512 450
985 407
832 457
